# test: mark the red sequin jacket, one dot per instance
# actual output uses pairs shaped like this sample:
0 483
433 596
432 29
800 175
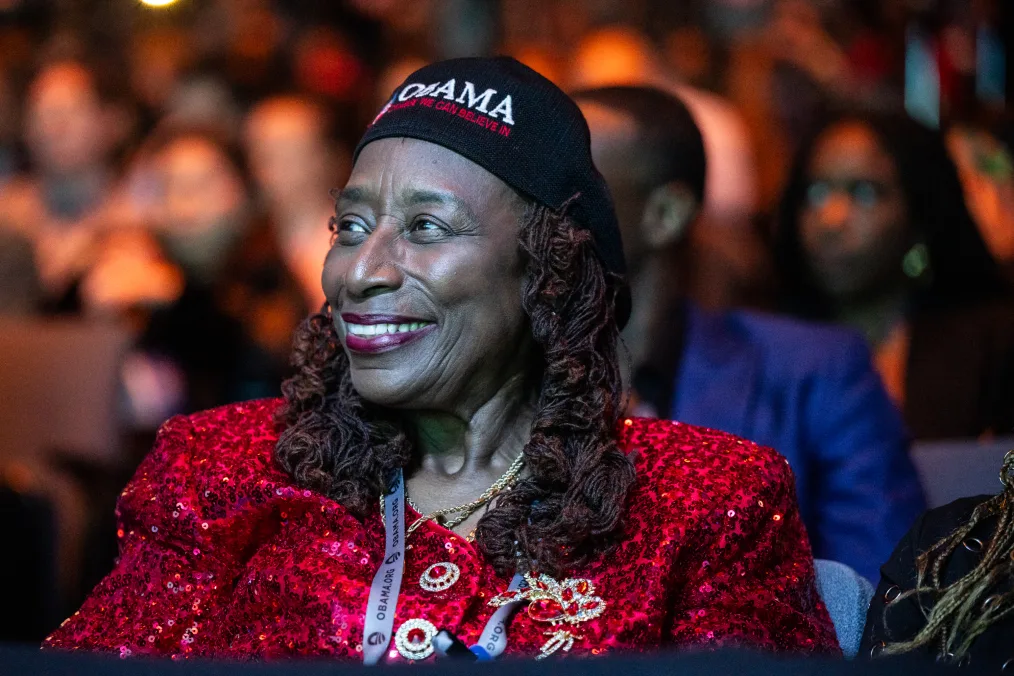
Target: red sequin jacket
221 554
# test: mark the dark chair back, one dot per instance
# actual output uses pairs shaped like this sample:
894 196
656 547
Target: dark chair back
949 470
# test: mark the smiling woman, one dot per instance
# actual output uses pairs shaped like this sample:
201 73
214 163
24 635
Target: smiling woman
448 472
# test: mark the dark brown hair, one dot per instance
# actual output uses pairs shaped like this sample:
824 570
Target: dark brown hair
568 507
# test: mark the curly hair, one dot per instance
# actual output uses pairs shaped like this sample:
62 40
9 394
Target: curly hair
568 507
967 607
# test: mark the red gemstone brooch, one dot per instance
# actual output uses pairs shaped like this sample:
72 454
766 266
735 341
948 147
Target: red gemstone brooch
563 605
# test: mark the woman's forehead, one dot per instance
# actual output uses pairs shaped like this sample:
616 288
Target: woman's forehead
850 146
411 171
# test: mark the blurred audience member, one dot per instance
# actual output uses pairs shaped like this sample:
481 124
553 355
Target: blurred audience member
875 234
158 59
204 99
64 206
205 203
392 77
987 175
731 265
325 64
295 162
801 58
688 53
808 391
540 58
20 292
8 130
622 56
235 284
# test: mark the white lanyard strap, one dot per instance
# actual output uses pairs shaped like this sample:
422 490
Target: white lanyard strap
493 640
386 587
378 627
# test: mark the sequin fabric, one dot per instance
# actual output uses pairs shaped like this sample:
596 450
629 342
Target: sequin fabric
222 555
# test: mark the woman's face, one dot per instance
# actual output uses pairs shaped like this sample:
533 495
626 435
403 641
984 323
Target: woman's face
425 278
853 224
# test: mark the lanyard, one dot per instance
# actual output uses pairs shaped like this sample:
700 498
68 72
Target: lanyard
383 601
493 640
377 629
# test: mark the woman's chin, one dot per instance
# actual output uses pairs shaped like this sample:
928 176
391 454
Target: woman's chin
386 389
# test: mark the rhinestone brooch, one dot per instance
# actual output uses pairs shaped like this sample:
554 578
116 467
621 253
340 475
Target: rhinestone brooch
414 639
562 605
439 577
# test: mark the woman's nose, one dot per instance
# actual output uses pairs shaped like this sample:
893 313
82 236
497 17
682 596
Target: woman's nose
376 267
834 213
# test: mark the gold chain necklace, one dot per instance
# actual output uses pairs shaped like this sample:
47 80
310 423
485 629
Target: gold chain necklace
505 482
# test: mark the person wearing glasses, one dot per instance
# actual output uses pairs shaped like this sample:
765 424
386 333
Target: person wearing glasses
874 233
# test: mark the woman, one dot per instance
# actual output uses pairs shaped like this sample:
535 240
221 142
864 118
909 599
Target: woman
235 283
946 590
875 233
465 360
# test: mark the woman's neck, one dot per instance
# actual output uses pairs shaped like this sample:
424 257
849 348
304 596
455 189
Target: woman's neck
461 456
486 439
876 317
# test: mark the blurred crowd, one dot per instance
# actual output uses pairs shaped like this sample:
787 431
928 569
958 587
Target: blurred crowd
168 171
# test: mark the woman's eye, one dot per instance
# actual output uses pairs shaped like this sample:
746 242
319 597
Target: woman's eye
428 227
866 193
348 232
348 225
817 193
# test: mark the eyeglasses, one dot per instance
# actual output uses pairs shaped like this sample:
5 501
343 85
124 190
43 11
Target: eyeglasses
863 192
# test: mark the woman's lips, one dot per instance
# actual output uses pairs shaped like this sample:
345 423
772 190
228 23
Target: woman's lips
381 333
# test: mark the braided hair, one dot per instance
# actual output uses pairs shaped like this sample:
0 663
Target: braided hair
967 607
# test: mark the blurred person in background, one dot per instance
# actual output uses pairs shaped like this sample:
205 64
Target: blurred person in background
874 233
796 59
204 99
986 169
809 391
8 130
20 291
159 58
235 284
66 204
732 266
294 161
393 75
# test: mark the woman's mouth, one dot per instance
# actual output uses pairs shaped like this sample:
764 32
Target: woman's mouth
381 333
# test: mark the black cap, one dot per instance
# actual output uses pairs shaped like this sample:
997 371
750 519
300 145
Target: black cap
520 127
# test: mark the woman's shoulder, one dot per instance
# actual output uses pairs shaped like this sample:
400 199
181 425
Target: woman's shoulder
242 433
667 452
939 522
209 457
235 426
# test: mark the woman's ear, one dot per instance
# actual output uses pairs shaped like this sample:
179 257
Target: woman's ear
668 213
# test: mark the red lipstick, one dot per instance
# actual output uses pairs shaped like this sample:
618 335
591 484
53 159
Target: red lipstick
375 333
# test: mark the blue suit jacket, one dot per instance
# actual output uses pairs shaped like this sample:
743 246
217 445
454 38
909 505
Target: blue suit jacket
810 392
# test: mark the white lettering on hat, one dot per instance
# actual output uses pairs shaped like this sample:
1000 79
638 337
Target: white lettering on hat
446 89
408 92
465 96
482 99
504 108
